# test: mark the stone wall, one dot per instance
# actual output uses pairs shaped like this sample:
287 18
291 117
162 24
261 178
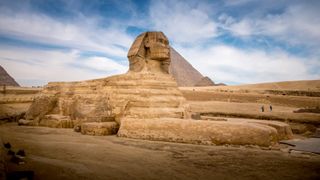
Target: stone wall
198 131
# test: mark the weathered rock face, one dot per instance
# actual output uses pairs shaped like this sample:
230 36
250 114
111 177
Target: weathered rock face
150 52
99 129
6 79
198 131
145 91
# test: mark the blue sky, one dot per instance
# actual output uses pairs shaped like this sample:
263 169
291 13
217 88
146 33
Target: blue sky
231 41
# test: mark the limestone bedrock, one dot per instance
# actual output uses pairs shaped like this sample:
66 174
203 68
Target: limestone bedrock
145 102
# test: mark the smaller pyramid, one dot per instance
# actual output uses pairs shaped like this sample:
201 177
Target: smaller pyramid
184 73
6 79
205 81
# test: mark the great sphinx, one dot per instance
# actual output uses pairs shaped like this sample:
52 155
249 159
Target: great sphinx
145 91
143 103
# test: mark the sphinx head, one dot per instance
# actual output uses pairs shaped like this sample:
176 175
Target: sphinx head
157 46
150 52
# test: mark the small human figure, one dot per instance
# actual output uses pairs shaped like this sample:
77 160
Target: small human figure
4 89
262 108
270 107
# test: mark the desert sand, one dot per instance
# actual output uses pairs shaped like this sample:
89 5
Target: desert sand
64 154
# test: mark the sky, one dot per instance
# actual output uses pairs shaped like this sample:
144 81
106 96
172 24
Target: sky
231 41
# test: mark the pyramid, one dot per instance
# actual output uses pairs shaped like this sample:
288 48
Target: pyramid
205 81
6 79
184 73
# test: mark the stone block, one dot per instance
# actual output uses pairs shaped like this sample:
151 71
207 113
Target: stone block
198 131
56 121
99 128
283 129
25 122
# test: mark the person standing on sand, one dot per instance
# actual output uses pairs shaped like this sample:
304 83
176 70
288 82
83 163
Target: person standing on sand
4 89
270 108
262 108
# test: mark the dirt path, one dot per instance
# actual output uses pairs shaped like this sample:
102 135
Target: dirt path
64 154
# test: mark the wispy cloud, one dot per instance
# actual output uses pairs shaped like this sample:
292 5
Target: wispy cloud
104 64
82 33
43 66
36 66
233 65
297 24
182 22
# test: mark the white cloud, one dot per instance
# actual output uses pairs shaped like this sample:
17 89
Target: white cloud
34 66
182 22
43 66
242 28
82 33
104 64
297 25
229 64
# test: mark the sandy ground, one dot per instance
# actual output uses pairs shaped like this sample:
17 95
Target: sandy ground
253 110
305 85
218 106
65 154
259 98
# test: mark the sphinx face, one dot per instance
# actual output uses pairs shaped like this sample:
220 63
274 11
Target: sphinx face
158 46
150 52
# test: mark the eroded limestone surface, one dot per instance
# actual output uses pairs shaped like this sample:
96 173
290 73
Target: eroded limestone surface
198 131
145 103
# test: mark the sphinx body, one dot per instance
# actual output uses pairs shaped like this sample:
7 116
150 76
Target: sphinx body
144 103
145 91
